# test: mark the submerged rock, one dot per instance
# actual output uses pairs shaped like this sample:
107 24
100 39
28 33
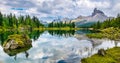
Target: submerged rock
17 41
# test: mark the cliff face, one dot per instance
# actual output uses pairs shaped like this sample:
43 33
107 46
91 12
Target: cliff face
97 12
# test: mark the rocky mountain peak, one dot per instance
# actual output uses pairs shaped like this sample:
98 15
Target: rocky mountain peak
96 16
96 11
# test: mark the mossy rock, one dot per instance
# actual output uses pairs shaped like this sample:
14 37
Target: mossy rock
17 41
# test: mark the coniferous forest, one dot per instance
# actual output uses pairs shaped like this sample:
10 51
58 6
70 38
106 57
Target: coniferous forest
108 29
114 22
62 24
12 21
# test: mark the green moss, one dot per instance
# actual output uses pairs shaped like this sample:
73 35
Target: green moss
112 56
95 35
0 30
19 39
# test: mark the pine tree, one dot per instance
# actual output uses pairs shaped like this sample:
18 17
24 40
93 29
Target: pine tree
1 19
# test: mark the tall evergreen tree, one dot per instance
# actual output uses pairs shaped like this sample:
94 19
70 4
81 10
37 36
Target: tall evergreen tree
1 19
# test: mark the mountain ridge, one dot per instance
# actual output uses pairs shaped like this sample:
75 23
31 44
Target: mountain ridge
97 15
81 21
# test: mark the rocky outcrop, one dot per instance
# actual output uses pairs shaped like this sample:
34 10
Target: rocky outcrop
101 52
97 15
17 41
97 12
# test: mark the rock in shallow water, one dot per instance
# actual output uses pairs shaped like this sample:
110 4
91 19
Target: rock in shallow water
17 41
102 52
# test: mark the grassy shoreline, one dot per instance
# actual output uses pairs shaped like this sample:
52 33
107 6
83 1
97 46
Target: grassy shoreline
42 29
110 33
55 28
112 56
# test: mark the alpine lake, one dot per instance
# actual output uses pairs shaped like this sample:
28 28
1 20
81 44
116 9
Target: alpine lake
54 46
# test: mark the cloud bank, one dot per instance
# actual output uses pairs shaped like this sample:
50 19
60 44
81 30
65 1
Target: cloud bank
53 9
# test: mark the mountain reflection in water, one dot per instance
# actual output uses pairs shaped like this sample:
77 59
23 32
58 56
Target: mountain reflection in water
56 47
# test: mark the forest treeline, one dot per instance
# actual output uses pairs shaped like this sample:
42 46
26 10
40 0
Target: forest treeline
62 24
12 21
114 22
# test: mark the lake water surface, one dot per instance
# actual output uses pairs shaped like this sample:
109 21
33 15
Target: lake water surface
57 47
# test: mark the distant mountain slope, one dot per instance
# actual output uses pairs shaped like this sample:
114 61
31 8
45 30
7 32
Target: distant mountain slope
96 16
85 21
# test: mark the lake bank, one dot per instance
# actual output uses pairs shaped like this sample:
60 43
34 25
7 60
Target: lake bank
40 29
112 56
110 33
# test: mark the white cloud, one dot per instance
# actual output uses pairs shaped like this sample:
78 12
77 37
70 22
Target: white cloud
93 4
64 8
117 7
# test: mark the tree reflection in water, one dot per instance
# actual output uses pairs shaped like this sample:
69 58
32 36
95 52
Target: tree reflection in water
77 44
34 34
65 33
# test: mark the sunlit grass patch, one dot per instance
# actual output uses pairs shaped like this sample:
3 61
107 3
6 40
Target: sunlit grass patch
110 33
112 56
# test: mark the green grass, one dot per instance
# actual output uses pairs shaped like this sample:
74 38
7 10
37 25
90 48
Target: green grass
40 28
95 35
112 56
0 30
55 28
110 33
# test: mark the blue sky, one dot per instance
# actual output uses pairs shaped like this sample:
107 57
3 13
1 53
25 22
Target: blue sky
59 8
